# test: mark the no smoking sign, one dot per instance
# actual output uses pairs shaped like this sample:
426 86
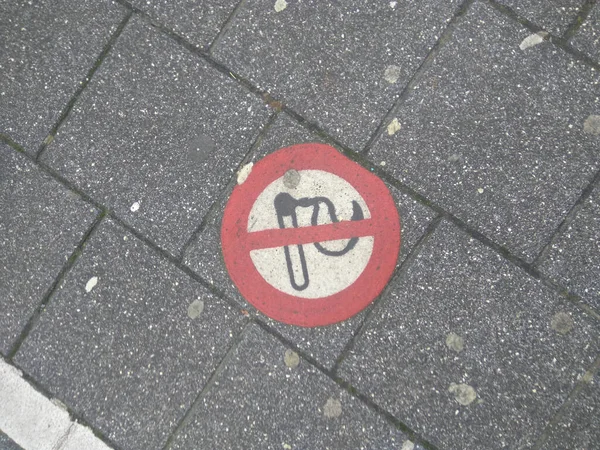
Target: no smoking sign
310 238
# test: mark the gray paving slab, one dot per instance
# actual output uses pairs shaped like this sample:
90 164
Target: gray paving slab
48 47
340 64
495 139
205 258
7 443
260 402
198 22
469 351
128 341
156 135
573 258
587 38
41 224
555 16
579 428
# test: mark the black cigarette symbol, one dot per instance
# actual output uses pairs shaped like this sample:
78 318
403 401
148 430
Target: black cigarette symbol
285 206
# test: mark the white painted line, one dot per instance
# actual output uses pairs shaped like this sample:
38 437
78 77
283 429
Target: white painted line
35 422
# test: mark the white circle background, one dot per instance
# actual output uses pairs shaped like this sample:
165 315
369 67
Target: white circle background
327 275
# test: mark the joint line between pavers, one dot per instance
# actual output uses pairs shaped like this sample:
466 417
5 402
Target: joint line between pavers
512 14
32 388
571 398
82 85
558 41
568 219
379 302
67 266
221 366
266 97
460 12
360 159
476 234
226 25
352 391
220 197
176 263
580 18
8 141
316 129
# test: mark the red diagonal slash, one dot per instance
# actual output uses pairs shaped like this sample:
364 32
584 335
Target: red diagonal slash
277 237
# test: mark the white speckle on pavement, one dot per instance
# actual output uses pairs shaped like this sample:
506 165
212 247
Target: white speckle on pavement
408 445
280 5
393 127
244 172
92 282
532 40
135 207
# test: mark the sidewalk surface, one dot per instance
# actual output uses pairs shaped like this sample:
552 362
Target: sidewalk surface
123 126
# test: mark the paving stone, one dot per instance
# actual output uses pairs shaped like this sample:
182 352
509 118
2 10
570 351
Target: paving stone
7 443
340 64
553 15
587 38
258 402
198 22
579 428
516 363
156 135
48 47
41 223
204 255
116 343
573 258
495 140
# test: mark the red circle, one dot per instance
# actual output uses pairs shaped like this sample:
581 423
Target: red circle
384 226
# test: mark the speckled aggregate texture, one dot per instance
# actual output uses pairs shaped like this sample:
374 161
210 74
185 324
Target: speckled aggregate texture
553 15
323 343
48 47
41 223
7 443
198 22
124 354
587 38
579 427
340 64
573 258
257 402
114 297
495 139
519 366
156 135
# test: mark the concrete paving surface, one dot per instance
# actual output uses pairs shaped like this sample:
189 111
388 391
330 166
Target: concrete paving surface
125 126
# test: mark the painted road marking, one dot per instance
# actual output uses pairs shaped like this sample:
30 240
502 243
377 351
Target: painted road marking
35 422
310 238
